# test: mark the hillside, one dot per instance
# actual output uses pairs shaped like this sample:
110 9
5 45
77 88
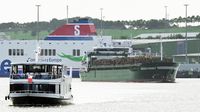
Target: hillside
115 33
116 29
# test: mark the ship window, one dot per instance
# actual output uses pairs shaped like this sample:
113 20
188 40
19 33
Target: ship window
14 52
50 52
18 52
78 52
46 52
10 52
54 52
42 52
22 52
74 52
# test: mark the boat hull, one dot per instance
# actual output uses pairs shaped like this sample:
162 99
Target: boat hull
144 73
31 100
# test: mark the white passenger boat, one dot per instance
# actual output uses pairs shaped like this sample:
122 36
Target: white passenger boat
39 83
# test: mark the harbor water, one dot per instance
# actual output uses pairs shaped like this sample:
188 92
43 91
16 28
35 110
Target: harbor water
182 96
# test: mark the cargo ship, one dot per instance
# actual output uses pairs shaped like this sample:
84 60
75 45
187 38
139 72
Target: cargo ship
118 65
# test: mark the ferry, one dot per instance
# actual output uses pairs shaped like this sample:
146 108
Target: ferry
39 83
66 45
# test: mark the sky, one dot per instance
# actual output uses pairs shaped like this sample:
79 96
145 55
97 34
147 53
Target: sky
23 11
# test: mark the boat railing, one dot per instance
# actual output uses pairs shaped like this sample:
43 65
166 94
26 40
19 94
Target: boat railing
115 66
31 91
126 61
35 76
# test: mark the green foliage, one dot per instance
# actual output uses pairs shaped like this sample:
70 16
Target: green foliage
33 33
116 29
123 37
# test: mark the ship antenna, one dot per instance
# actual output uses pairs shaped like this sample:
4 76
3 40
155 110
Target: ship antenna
37 51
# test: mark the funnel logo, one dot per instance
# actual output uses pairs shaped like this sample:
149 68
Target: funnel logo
77 30
5 65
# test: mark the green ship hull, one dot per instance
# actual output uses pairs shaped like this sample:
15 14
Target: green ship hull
145 72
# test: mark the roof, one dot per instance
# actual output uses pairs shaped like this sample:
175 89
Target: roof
191 54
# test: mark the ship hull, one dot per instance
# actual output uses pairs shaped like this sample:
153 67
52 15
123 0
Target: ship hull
149 72
31 100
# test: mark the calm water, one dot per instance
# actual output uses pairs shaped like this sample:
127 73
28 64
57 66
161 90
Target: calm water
182 96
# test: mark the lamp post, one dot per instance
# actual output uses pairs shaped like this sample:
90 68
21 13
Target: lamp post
101 21
37 51
67 8
161 44
186 42
38 10
165 12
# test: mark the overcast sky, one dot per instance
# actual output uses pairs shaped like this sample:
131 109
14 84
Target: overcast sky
25 10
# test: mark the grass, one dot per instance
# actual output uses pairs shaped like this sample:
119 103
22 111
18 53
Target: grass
26 35
117 34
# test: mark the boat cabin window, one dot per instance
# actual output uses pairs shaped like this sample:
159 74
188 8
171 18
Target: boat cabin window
54 52
42 52
76 52
9 52
48 52
22 52
23 71
16 52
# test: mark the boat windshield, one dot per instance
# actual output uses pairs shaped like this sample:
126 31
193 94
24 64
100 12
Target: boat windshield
23 71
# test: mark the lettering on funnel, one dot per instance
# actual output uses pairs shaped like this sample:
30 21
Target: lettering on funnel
77 30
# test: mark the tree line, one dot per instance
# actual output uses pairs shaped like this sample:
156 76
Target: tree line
124 24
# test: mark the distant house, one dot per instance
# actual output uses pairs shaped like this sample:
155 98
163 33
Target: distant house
165 35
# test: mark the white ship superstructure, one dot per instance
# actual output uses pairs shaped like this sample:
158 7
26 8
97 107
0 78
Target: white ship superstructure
66 45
